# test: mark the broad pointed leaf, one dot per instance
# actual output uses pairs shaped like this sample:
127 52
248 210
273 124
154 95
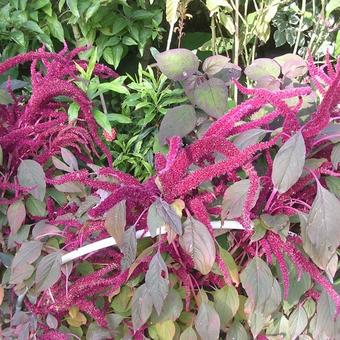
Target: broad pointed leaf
237 332
177 64
31 174
262 67
199 244
297 322
207 322
248 138
129 248
141 307
288 163
322 227
16 214
48 271
115 221
212 96
157 281
234 199
178 121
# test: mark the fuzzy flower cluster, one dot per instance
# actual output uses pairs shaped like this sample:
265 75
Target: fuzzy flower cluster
182 174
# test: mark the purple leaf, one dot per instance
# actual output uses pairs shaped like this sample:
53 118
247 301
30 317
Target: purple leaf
177 64
16 214
263 67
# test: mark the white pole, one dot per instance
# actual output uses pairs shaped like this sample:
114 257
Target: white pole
110 241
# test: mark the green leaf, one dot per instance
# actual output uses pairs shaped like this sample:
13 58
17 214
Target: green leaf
288 163
55 27
178 121
177 64
226 304
197 242
102 120
188 334
119 118
48 271
230 264
141 307
172 308
116 85
262 67
161 214
92 10
36 207
157 281
257 280
115 221
73 6
118 24
335 156
33 27
73 111
214 5
171 7
16 215
331 6
325 325
211 96
31 174
333 184
297 322
322 229
113 55
207 322
237 332
129 248
234 199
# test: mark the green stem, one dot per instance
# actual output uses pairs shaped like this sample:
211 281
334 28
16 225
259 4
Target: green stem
236 42
303 9
213 35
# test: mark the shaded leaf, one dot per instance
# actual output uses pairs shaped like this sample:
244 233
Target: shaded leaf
157 281
257 280
215 64
322 229
48 271
197 242
211 96
160 214
335 156
16 214
333 184
248 138
237 332
69 158
28 253
207 322
178 121
268 82
171 309
31 174
226 304
288 163
51 321
115 221
141 307
177 64
36 207
129 248
234 199
297 322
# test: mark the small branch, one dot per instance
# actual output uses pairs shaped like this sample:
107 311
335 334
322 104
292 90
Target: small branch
303 9
102 100
171 31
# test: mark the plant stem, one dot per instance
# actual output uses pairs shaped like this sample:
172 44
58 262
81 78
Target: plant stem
213 35
303 9
236 42
102 100
171 31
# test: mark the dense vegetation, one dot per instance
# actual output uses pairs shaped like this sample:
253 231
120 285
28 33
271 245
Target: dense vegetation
211 161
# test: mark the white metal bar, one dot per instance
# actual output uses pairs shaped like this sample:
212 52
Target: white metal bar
110 241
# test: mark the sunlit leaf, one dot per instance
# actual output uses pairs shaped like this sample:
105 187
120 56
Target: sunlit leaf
188 334
297 322
207 322
177 64
263 67
237 332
